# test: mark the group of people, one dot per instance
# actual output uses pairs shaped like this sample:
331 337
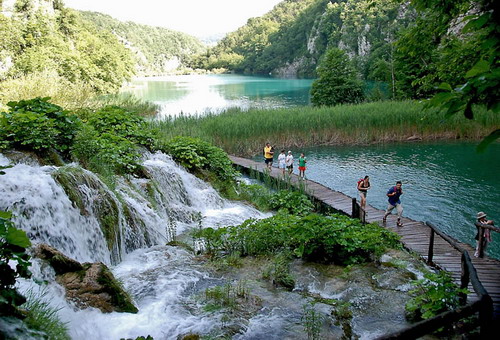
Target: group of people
285 164
285 161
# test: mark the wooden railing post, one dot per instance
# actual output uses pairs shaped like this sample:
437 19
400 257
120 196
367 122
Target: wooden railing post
464 280
430 254
355 208
486 318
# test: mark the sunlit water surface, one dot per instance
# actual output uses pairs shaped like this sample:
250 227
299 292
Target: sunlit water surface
199 94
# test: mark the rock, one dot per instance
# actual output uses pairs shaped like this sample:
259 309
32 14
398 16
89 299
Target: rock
88 284
60 262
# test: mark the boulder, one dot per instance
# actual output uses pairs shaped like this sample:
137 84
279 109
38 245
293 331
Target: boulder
87 284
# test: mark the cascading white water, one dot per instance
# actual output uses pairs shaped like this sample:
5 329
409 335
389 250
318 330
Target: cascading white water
42 209
161 279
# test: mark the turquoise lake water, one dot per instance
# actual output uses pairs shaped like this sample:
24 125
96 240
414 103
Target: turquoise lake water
198 94
444 183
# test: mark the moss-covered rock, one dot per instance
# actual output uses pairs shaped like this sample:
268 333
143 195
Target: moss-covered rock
57 260
87 284
102 204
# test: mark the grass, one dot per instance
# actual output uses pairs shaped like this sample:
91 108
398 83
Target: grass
245 133
70 95
42 317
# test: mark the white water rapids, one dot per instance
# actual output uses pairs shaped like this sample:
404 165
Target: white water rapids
161 279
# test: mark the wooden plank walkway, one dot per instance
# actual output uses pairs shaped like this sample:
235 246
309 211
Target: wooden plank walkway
414 234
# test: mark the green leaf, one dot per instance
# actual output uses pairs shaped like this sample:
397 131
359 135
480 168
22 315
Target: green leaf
445 86
488 140
481 66
17 237
5 214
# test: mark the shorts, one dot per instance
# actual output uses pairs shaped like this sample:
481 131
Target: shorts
302 168
281 166
268 160
362 193
289 167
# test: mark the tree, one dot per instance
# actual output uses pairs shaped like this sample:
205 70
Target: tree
477 24
337 81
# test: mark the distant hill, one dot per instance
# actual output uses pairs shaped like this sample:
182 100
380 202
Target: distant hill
291 38
157 50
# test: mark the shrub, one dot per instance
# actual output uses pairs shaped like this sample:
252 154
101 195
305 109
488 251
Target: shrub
335 238
39 125
196 155
434 294
293 202
13 244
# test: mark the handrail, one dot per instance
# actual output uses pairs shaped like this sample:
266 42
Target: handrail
484 305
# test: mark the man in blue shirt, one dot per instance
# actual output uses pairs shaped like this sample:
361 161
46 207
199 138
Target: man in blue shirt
394 202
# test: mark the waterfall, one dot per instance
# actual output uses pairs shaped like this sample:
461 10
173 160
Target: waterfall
125 227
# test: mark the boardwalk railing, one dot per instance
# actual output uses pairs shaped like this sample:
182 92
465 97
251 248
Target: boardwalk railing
481 243
357 211
484 304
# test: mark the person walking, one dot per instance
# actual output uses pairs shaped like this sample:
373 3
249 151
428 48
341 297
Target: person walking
394 202
289 162
302 166
268 156
486 239
363 187
282 162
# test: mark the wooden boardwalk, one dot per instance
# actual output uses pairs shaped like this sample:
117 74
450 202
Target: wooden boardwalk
414 234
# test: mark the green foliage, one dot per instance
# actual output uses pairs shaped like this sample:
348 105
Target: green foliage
335 238
39 125
293 202
435 294
196 155
42 317
279 271
226 296
477 76
312 320
337 82
154 46
61 42
13 244
242 133
110 138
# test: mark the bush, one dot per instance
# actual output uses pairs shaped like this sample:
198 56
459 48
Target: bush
433 295
111 134
39 125
196 155
337 238
293 202
13 244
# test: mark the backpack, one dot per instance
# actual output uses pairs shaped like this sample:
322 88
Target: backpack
359 181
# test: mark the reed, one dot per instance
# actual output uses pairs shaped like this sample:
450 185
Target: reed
245 132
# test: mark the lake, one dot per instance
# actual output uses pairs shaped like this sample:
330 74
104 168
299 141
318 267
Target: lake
443 183
199 94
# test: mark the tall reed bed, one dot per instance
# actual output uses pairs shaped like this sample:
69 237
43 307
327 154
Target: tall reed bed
245 132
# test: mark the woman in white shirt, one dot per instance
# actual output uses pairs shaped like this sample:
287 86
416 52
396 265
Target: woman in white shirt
281 161
289 162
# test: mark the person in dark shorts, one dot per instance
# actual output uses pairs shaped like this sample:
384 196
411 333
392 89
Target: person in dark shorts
268 156
394 202
363 186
